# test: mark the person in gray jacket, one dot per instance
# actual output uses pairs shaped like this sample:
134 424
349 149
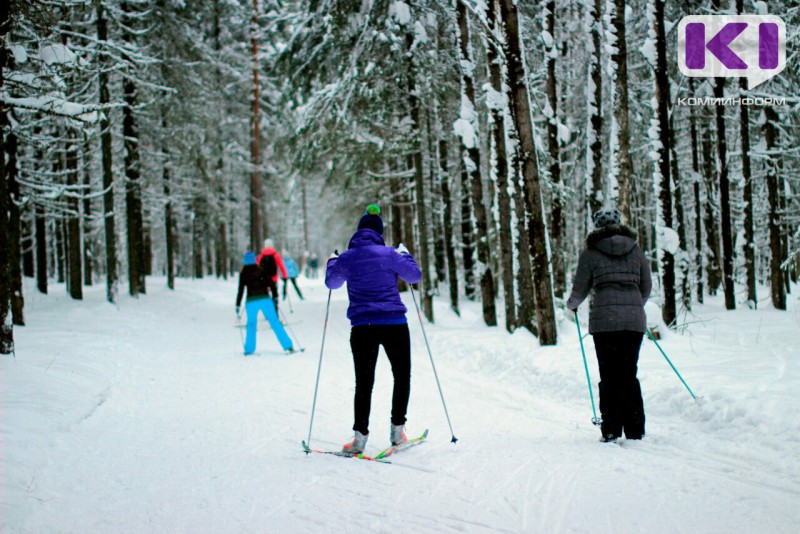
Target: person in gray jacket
617 270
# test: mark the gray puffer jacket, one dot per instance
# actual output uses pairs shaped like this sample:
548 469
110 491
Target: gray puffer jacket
616 269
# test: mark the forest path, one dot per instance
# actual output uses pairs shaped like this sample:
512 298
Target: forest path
146 418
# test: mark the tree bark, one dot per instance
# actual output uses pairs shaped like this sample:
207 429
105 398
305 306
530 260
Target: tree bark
86 214
749 230
667 260
14 230
447 223
75 257
107 164
41 249
467 235
472 163
497 110
28 258
221 249
595 94
6 323
521 114
698 218
133 187
556 215
712 231
256 224
198 238
624 165
777 287
724 200
426 291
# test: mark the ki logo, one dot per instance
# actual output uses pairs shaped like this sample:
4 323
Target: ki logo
738 46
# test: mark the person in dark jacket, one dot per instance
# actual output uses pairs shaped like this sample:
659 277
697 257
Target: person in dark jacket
259 288
378 317
616 269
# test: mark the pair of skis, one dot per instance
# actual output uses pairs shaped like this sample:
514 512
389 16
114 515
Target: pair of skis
380 457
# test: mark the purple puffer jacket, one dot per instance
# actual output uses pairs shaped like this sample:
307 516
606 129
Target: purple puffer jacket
370 269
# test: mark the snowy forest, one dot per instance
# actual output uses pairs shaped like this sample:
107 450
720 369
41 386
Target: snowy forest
166 137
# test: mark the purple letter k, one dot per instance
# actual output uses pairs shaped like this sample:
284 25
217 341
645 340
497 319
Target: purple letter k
718 45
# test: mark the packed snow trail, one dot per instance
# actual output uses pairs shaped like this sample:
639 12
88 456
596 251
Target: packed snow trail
147 418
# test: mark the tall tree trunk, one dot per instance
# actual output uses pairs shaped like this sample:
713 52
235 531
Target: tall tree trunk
470 139
497 110
447 223
426 291
521 114
148 251
396 213
28 258
304 196
680 225
435 188
467 235
712 231
698 218
75 258
621 102
749 232
667 261
777 287
6 323
41 249
60 254
526 303
14 230
133 190
86 217
724 200
556 215
198 238
221 251
724 189
256 223
595 97
169 224
107 164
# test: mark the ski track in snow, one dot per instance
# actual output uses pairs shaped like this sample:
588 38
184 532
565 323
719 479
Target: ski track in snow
145 417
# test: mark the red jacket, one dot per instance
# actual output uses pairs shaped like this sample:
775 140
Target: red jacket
278 262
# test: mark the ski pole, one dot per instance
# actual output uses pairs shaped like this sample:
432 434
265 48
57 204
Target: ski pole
319 368
289 298
291 332
453 438
595 419
650 335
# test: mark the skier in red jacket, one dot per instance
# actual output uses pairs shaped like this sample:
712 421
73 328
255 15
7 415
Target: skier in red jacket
271 262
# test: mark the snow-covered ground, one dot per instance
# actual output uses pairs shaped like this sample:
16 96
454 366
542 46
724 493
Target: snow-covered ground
145 417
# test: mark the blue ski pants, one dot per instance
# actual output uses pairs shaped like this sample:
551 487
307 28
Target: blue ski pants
267 308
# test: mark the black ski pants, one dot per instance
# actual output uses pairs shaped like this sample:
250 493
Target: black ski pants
294 283
365 341
621 404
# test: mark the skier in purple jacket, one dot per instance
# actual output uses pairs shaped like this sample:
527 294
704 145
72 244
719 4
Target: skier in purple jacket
378 317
